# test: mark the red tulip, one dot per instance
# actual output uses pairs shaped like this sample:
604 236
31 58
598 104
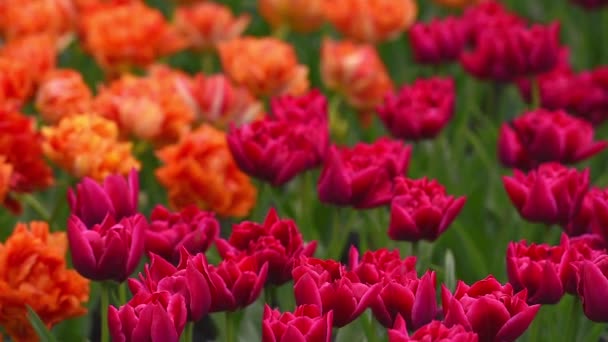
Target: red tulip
581 248
536 268
276 242
438 41
190 228
116 197
362 176
488 15
156 317
543 136
277 151
107 251
552 194
434 331
300 109
489 309
592 216
160 275
306 324
376 265
593 288
421 210
419 111
328 285
233 284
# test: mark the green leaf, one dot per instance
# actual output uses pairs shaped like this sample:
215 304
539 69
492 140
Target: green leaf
449 264
39 326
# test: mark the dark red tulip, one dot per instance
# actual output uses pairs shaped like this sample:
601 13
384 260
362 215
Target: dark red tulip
277 151
376 265
552 194
362 176
421 210
434 331
405 295
536 268
591 4
328 285
489 309
488 15
543 136
160 276
156 317
439 41
306 324
593 288
233 284
592 216
107 251
586 247
277 242
419 111
311 107
190 228
117 197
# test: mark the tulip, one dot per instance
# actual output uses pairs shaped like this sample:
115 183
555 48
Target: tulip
489 309
300 15
328 285
233 284
421 210
439 41
582 248
407 296
543 136
536 268
117 197
590 4
434 331
311 106
277 151
419 111
276 242
107 251
552 194
362 176
376 265
169 231
592 217
156 317
306 324
160 276
593 288
488 15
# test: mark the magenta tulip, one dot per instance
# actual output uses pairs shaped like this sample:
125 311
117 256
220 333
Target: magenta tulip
306 324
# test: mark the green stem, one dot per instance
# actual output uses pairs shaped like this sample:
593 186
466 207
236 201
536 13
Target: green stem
122 293
188 335
270 296
207 64
230 332
416 248
339 233
105 303
281 32
35 204
369 327
535 92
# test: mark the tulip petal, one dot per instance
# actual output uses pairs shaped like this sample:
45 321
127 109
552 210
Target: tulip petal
518 324
593 289
83 257
424 309
115 325
306 291
136 249
292 334
540 206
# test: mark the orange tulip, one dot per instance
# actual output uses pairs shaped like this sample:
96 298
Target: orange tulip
33 273
266 66
157 107
38 52
356 71
20 18
16 84
371 21
457 3
6 171
299 15
121 36
206 24
87 145
62 93
200 170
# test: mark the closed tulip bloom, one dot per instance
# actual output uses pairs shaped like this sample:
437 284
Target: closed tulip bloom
157 317
234 284
362 176
489 309
592 216
277 151
543 136
592 288
116 197
421 210
404 294
277 242
419 111
110 250
588 247
536 268
376 265
438 41
371 21
552 194
206 24
305 324
161 276
328 285
434 331
299 15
